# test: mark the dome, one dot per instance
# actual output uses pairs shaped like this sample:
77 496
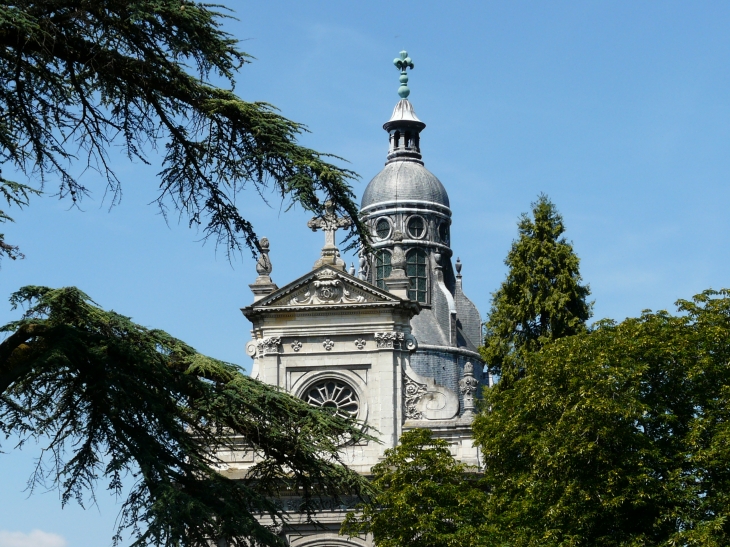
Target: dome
404 181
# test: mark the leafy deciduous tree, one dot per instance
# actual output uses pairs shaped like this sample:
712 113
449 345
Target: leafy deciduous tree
77 76
112 398
425 498
616 438
542 298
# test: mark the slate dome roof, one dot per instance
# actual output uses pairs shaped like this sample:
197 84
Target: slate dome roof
401 181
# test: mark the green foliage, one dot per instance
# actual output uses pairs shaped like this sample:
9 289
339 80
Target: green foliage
110 398
542 298
425 498
18 195
79 76
620 437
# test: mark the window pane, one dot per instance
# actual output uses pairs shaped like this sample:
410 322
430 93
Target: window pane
382 228
416 227
417 274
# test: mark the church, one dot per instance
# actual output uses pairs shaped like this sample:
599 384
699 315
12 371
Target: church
393 343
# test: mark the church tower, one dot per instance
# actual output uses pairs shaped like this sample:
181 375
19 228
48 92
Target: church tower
408 211
394 346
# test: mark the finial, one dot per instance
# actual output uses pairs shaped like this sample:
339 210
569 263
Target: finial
263 264
263 284
352 268
458 266
401 63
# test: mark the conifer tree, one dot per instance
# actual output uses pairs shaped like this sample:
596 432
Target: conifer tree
79 78
542 298
111 400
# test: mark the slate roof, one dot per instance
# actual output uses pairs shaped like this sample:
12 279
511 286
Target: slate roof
403 181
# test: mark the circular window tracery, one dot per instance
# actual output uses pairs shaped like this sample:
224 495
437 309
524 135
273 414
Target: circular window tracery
335 395
382 228
416 227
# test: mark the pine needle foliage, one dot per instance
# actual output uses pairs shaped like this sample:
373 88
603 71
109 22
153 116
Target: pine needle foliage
117 402
542 298
425 498
616 438
80 76
18 195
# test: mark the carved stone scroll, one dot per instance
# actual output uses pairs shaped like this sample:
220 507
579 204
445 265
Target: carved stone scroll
412 394
424 399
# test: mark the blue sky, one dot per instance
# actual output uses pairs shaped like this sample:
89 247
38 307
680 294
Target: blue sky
619 111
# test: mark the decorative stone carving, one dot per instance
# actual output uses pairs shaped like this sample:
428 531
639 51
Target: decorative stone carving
397 282
263 264
398 258
328 288
364 263
412 393
329 222
263 285
267 345
328 344
251 348
411 344
468 387
426 399
360 343
296 345
389 340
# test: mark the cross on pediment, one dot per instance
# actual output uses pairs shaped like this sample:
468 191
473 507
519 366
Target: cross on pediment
329 223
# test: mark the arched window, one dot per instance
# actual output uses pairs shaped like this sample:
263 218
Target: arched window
382 267
417 275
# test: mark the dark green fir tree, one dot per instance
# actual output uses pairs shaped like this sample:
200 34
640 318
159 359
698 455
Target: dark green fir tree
543 297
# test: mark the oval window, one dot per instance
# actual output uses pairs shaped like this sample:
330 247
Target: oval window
382 228
444 233
416 227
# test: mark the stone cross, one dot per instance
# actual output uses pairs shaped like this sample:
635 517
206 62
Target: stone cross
329 223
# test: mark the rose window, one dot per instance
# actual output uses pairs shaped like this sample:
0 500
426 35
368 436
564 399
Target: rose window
335 395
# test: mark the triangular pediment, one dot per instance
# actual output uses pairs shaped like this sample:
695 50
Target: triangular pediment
326 286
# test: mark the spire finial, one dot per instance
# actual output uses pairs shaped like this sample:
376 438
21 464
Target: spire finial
401 63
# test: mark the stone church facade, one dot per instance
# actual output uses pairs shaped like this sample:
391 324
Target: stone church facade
394 343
